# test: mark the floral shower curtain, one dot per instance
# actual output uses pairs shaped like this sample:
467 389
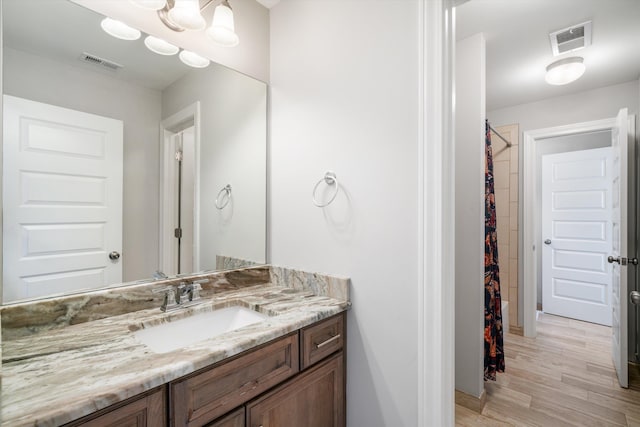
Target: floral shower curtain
493 346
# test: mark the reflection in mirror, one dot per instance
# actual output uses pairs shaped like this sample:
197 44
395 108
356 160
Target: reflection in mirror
114 156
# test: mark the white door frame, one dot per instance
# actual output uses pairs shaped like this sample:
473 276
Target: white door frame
189 115
530 225
436 208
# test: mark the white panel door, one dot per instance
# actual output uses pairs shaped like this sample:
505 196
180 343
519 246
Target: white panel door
576 234
620 144
62 199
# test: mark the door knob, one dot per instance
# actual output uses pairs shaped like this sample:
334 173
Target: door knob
547 242
612 259
634 296
114 255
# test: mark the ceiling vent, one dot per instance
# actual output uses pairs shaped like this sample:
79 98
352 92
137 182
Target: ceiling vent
571 39
100 62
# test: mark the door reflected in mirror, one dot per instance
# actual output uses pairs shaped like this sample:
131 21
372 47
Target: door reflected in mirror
114 157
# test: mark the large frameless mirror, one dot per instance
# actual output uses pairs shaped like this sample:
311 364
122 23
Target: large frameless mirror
120 163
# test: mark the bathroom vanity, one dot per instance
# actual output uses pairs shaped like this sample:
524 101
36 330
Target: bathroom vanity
286 370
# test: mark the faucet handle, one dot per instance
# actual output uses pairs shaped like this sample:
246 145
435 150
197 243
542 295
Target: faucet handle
169 300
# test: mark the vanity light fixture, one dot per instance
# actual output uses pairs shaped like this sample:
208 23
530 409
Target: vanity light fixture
222 29
192 59
159 46
119 29
186 14
150 4
180 15
565 71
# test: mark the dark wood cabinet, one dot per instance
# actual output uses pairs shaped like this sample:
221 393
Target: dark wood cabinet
294 381
312 399
148 410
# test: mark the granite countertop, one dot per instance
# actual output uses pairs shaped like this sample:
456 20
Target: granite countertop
53 377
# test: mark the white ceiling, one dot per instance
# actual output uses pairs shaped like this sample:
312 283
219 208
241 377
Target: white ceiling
519 50
76 30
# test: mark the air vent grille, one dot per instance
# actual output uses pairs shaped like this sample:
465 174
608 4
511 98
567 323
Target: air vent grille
100 62
571 39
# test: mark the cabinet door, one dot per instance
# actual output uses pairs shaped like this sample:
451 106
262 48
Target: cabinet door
148 411
313 399
234 419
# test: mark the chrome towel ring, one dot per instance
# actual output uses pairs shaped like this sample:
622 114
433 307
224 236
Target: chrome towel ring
221 200
329 179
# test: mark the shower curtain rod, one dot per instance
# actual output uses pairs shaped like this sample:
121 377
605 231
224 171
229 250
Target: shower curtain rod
500 136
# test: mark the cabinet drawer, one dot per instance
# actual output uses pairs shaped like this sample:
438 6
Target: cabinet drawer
205 396
322 339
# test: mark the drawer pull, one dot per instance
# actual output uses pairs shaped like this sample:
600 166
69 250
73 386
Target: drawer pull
329 341
247 387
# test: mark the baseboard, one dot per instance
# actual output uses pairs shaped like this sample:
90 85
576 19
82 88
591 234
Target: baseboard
634 376
476 404
516 330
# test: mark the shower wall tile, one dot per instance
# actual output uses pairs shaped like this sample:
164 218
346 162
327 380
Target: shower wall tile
501 174
513 187
513 159
502 202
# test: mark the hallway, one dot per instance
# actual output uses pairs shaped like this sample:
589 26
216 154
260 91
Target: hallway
564 377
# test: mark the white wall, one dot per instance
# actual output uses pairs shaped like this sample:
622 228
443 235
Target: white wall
585 106
470 168
584 141
251 20
233 150
345 97
44 80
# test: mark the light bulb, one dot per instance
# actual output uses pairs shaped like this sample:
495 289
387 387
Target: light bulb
119 29
192 59
186 14
150 4
222 29
160 46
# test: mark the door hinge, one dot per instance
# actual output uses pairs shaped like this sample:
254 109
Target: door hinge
177 233
179 155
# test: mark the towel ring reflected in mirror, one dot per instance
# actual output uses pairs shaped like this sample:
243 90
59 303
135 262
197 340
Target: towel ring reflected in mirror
223 197
329 179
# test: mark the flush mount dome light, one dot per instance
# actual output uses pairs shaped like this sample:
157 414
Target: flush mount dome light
149 4
565 71
119 29
192 59
186 14
160 46
222 29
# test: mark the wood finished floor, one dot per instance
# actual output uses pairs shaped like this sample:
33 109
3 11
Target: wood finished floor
564 377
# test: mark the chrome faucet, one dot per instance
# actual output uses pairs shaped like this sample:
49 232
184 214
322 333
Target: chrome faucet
185 294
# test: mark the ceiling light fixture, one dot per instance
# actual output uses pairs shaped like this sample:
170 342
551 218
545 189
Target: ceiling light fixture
192 59
149 4
119 29
159 46
186 14
222 29
565 71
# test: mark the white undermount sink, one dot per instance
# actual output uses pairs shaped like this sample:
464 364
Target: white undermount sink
180 333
